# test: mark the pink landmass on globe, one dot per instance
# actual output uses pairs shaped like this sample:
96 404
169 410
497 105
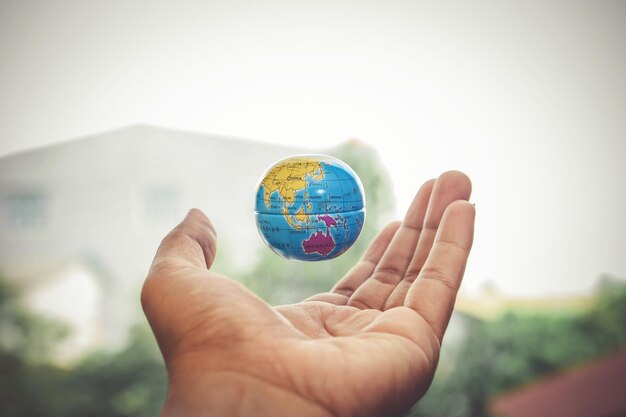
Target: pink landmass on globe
330 221
319 242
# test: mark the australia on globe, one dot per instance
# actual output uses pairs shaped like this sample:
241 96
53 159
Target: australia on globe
310 207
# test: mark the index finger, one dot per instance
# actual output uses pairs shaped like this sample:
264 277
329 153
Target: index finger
193 241
433 293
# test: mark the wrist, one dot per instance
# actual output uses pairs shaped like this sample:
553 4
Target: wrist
232 394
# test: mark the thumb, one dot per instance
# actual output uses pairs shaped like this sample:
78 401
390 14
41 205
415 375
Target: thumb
193 241
188 250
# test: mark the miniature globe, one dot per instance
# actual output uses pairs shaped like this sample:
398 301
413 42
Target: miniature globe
310 207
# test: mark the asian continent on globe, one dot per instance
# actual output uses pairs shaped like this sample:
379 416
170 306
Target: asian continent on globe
310 207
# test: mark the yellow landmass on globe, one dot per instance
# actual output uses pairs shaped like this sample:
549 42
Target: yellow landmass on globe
290 177
301 216
290 219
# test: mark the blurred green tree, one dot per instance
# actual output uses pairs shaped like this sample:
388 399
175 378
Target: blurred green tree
26 344
21 332
129 382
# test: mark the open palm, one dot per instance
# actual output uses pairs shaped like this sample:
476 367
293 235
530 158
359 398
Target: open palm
369 347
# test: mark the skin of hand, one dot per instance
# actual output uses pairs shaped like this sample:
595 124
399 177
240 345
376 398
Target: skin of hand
369 347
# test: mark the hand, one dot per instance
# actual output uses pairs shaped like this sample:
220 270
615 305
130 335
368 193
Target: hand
369 347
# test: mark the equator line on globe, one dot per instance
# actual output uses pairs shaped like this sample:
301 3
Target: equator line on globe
310 207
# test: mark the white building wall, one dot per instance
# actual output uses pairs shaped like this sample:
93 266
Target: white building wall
101 205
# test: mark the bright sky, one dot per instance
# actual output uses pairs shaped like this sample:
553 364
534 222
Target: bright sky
528 98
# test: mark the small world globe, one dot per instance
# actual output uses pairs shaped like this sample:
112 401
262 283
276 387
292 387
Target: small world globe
310 207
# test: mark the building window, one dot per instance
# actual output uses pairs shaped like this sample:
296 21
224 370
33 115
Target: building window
27 210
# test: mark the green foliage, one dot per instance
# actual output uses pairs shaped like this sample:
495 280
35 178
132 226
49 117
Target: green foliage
494 357
516 349
22 332
130 382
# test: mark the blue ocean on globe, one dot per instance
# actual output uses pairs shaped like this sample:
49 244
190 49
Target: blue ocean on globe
310 207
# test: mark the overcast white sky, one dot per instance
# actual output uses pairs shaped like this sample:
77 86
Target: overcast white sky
528 98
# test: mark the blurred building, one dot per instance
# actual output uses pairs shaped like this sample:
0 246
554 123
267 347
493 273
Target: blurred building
597 389
80 221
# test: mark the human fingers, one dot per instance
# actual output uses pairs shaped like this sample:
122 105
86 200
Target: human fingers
393 263
433 292
193 241
346 286
189 247
450 186
172 294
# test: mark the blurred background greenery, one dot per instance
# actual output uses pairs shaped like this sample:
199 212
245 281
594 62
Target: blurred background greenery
487 352
496 356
